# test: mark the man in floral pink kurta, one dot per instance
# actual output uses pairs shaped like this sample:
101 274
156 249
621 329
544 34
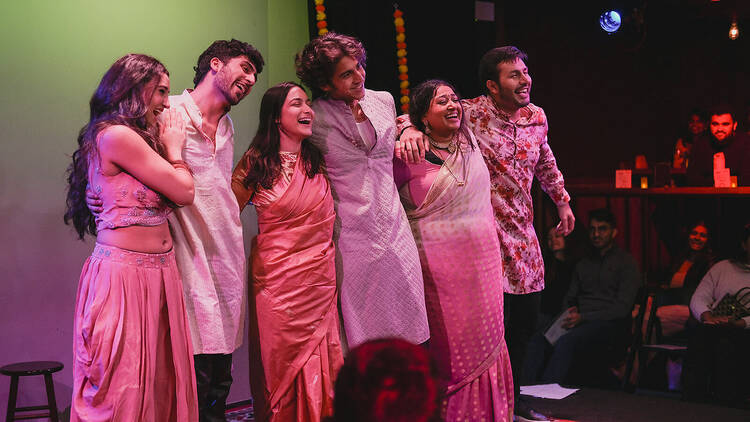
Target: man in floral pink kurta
512 135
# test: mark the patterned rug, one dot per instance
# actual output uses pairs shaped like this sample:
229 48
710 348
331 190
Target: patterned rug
240 412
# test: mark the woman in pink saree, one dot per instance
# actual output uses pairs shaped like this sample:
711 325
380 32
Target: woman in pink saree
447 201
292 262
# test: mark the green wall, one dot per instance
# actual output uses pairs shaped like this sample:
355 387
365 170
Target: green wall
53 56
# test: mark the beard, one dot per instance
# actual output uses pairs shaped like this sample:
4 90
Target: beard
224 83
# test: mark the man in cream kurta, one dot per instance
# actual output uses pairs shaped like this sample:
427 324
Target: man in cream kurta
208 234
382 292
208 238
377 263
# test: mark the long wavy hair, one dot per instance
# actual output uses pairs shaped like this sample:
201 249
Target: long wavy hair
263 152
120 99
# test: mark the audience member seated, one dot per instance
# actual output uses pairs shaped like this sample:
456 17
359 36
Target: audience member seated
716 365
686 272
723 143
386 380
558 270
601 296
673 314
696 126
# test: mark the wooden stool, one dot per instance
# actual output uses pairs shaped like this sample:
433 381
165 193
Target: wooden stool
25 369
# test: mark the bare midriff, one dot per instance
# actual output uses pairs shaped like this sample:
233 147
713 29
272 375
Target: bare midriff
147 239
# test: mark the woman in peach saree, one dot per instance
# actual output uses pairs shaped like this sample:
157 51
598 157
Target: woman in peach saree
447 201
295 315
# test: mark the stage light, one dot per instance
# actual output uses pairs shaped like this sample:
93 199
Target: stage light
734 30
610 21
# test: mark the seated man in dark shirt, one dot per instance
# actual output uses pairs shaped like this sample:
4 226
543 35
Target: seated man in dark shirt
602 292
722 139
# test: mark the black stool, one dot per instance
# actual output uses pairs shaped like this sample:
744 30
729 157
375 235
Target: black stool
25 369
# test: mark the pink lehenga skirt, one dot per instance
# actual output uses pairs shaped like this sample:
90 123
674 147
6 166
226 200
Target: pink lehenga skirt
133 358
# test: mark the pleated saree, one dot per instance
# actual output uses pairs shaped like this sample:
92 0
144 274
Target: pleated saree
461 264
295 297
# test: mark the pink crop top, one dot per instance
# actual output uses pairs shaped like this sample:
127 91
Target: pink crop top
126 201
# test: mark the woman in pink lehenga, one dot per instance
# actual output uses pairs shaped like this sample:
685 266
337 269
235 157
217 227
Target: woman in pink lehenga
447 200
292 262
133 358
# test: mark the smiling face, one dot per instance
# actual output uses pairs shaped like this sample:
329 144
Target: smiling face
347 82
722 126
698 238
444 115
296 115
159 89
512 91
235 78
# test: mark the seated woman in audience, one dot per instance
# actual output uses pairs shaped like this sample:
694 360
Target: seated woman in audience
447 202
717 363
687 272
133 358
558 270
292 262
386 380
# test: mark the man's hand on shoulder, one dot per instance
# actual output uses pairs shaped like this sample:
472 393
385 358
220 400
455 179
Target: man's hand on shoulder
411 146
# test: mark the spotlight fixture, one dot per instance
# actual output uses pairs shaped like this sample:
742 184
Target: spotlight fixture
610 21
734 30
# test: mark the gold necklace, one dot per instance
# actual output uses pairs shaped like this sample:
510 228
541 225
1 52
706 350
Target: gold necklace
450 147
458 181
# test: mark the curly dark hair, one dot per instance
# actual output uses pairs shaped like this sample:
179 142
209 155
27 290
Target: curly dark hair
119 100
385 380
488 63
263 152
226 50
317 61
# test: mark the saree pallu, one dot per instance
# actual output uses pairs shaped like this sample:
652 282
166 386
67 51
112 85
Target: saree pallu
133 358
295 302
462 268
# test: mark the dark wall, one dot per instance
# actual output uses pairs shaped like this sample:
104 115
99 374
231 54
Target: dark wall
607 97
610 97
443 40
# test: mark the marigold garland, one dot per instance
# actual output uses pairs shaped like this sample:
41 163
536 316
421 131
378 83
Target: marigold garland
403 70
320 16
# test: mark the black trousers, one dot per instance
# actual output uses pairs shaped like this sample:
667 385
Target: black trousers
213 376
521 313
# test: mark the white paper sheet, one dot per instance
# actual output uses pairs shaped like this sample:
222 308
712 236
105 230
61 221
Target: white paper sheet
547 391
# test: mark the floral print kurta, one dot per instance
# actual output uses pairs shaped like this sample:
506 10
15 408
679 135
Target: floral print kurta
515 152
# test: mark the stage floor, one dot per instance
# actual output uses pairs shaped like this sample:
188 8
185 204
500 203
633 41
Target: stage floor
593 405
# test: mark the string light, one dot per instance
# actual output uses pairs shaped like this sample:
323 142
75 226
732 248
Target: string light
403 69
320 16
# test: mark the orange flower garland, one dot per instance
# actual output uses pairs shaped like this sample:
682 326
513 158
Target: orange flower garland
403 70
320 16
